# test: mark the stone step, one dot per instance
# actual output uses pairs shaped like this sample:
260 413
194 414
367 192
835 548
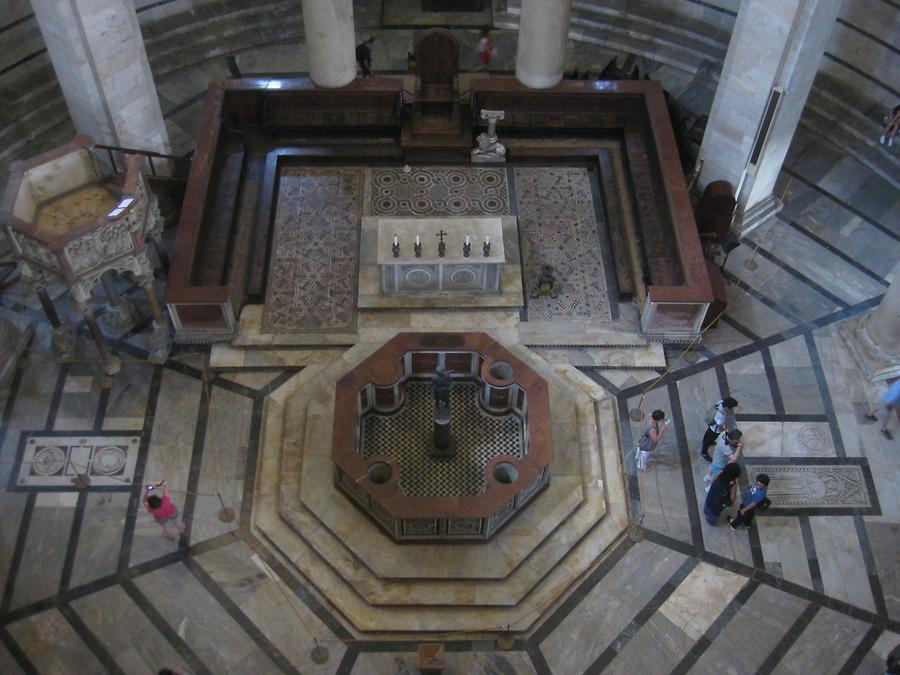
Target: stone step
330 523
616 333
591 31
581 558
225 357
834 117
647 356
217 29
354 589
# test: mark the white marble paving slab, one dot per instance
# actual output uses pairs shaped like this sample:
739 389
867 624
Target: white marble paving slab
700 598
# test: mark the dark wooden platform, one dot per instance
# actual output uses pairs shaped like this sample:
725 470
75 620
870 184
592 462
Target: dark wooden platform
223 239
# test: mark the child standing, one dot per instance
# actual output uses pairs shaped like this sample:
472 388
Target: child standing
163 510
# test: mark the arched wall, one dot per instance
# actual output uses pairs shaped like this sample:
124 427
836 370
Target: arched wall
858 80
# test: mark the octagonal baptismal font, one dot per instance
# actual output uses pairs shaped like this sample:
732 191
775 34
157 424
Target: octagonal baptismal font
389 462
353 492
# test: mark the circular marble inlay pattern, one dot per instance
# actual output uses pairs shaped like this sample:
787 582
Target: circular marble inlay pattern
108 460
418 277
812 439
462 277
439 191
48 461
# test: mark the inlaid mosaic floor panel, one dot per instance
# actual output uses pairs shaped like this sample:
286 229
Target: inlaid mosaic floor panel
439 191
799 484
558 227
406 436
55 460
312 269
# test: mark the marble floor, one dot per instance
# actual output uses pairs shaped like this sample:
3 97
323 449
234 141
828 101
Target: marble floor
89 585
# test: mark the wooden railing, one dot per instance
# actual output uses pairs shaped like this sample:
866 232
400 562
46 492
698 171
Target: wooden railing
172 166
679 292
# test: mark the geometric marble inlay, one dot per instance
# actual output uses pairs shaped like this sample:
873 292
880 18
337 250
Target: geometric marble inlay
820 486
558 227
439 191
54 460
312 267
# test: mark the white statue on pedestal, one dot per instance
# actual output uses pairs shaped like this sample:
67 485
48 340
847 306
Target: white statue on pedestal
489 148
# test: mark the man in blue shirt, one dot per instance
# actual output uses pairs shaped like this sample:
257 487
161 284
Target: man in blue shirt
751 500
888 404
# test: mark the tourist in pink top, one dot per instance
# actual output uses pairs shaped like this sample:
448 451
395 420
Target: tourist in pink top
162 509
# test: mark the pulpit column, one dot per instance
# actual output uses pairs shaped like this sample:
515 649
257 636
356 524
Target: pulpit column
98 54
872 337
330 41
775 50
543 33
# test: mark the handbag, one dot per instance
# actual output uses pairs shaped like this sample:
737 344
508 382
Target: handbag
764 504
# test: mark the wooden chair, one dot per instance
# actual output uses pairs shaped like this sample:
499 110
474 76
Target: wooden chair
437 65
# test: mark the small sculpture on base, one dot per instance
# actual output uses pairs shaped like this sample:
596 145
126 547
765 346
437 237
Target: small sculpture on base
489 148
417 249
546 284
395 247
442 247
467 249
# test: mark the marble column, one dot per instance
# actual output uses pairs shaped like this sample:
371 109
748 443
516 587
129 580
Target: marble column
159 342
543 33
110 363
774 44
330 41
98 54
874 337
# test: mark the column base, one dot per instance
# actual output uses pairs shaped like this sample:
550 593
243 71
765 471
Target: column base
112 365
877 363
63 342
160 343
757 215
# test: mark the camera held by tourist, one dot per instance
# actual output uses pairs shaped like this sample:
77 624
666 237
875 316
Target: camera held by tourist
163 510
648 441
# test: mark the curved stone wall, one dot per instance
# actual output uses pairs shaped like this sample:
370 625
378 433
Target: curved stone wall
859 78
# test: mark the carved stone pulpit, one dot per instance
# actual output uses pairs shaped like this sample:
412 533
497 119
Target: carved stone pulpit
68 222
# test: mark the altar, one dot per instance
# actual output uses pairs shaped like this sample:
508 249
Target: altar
454 254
